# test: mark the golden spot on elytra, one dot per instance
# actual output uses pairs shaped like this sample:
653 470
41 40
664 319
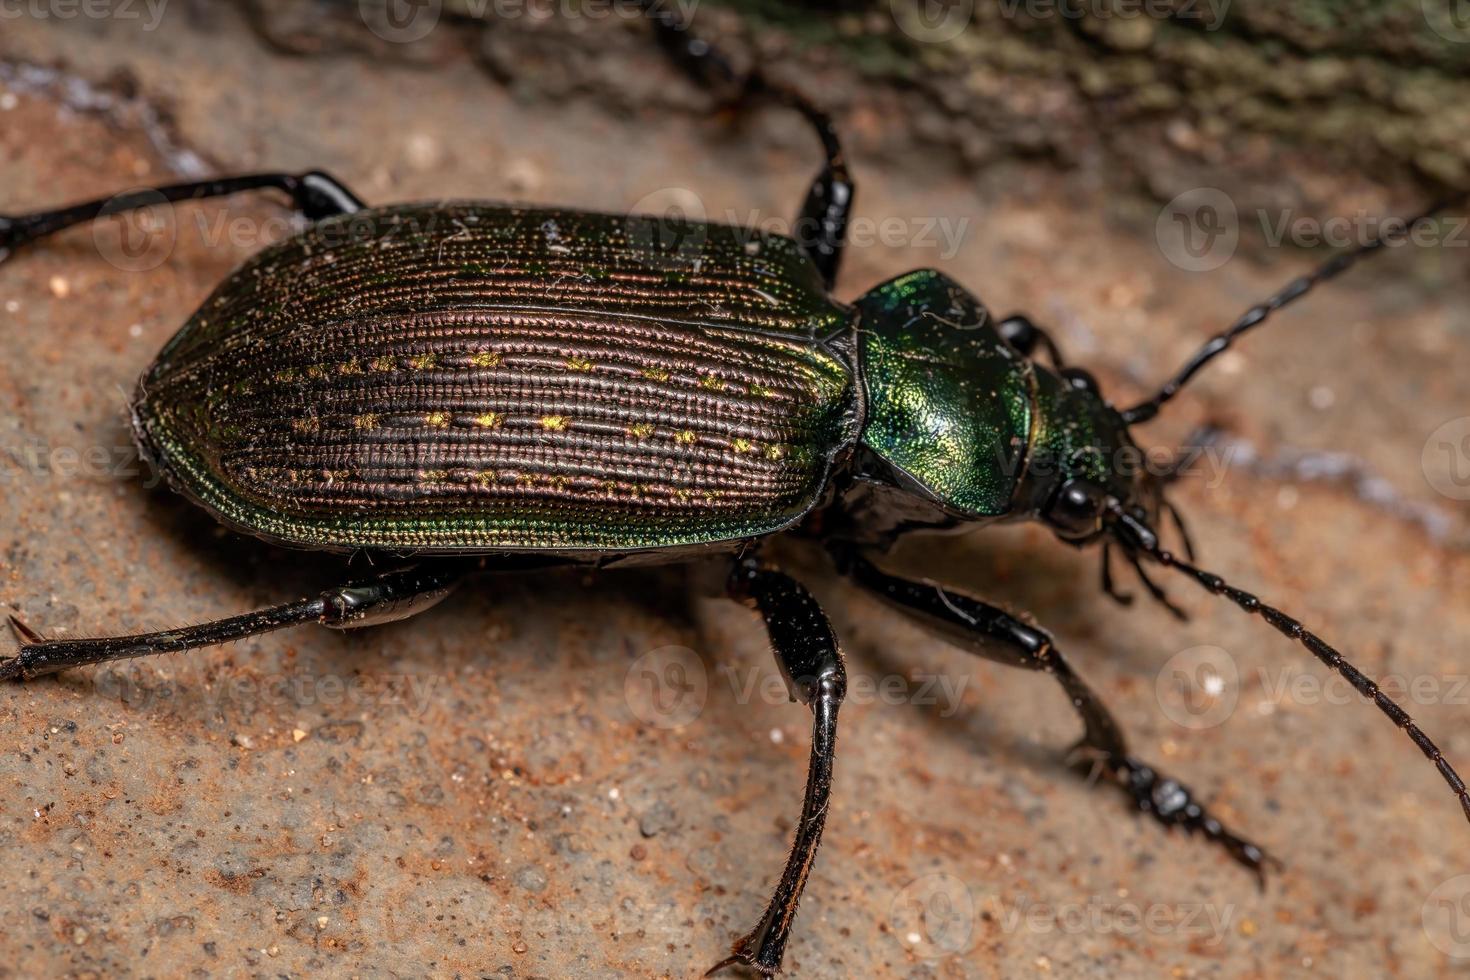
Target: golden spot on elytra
368 420
655 374
438 420
761 391
579 364
485 477
306 426
432 476
421 362
383 364
712 382
742 445
485 359
685 437
350 366
286 374
775 451
489 420
640 430
554 423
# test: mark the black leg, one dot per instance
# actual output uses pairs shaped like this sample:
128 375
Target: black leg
821 227
1018 331
997 635
316 195
807 652
381 599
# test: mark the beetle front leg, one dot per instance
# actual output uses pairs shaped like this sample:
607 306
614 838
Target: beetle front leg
995 634
381 599
316 195
811 663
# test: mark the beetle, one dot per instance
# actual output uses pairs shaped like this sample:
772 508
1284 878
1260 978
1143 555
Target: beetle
485 387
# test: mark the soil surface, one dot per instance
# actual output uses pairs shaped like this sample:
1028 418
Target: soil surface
495 789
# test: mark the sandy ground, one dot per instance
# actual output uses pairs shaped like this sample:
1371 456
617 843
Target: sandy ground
486 791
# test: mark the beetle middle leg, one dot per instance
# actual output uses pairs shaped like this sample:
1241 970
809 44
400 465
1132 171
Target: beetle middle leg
316 195
381 599
995 634
821 226
811 663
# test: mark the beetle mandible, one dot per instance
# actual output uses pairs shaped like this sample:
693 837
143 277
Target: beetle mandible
488 387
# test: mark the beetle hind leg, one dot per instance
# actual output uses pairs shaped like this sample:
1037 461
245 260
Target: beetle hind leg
811 663
383 598
821 225
991 632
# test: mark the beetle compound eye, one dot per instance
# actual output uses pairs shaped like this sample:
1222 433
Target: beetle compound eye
1080 378
1076 510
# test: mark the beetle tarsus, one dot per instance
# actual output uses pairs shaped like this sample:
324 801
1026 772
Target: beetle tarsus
1172 804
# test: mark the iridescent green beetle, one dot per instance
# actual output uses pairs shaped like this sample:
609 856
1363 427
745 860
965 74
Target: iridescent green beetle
486 387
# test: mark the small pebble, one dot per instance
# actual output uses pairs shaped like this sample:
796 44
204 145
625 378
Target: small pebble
244 741
60 288
8 101
297 734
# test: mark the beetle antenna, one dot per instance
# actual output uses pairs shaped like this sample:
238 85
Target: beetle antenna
1139 537
1258 314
